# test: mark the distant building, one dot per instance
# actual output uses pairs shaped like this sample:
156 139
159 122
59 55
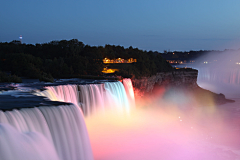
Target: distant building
119 60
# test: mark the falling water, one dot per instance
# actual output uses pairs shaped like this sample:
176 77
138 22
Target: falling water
224 75
62 126
94 97
59 132
223 67
119 96
24 145
63 93
129 91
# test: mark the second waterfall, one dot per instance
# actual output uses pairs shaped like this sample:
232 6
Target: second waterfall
92 98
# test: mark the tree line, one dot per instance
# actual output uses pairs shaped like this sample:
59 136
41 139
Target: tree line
72 58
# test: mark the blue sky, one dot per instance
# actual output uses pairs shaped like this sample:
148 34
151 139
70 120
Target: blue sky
146 24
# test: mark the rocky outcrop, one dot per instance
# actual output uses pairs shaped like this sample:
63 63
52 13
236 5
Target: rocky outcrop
182 81
181 77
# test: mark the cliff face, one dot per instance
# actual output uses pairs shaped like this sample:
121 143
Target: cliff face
179 78
182 81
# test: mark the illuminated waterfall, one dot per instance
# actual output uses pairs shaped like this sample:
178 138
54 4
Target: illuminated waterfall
129 91
59 132
13 145
63 93
229 76
62 126
94 97
118 96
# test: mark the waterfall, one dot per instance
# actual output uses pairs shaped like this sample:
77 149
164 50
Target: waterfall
62 126
59 132
13 145
63 93
223 75
94 97
129 91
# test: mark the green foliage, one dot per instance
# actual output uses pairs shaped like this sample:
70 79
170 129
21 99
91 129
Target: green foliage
9 78
46 77
73 59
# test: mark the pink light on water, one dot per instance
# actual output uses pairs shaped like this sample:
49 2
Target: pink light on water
162 132
61 127
24 146
129 91
174 128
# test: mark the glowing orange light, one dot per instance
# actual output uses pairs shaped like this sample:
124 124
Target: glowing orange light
105 70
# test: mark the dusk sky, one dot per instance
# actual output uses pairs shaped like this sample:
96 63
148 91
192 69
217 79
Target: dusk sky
149 25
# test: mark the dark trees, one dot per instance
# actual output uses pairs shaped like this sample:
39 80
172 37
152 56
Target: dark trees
72 58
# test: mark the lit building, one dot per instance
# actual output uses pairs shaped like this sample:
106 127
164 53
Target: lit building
119 60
